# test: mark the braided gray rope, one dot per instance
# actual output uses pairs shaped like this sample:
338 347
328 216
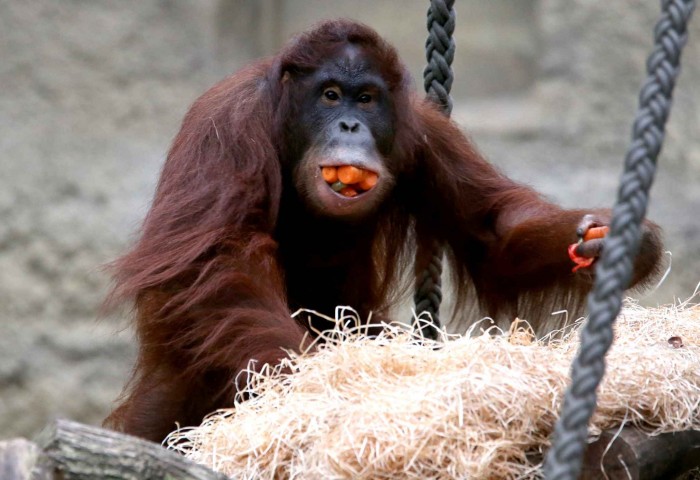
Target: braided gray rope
440 51
614 269
438 78
428 294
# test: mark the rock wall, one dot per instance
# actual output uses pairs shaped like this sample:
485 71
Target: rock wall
592 67
92 92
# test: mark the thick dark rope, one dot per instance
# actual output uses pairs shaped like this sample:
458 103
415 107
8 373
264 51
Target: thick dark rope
428 296
438 77
614 269
440 51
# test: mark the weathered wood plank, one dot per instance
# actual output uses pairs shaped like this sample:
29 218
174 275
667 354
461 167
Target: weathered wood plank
19 459
83 452
633 455
68 450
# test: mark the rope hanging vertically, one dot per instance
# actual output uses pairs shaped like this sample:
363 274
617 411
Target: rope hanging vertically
440 52
438 78
614 269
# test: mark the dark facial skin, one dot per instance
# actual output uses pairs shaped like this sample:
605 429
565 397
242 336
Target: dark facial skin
346 119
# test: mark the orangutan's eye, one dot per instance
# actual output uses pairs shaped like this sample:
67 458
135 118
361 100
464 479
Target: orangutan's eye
331 95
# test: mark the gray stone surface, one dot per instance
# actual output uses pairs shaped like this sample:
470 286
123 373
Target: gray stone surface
592 67
92 92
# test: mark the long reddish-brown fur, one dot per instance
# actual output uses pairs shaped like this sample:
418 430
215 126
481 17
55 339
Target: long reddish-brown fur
228 249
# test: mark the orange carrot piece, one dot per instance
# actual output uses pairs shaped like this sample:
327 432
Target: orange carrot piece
330 174
369 181
581 262
349 174
349 192
596 232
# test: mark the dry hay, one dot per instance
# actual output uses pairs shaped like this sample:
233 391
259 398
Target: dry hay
477 407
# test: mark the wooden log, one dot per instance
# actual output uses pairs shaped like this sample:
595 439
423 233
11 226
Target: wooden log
81 452
19 461
68 450
634 455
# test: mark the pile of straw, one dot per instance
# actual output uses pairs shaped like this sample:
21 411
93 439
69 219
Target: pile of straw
477 407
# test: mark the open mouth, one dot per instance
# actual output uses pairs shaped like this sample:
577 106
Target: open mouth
348 180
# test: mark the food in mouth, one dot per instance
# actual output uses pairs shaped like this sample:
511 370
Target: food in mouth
349 180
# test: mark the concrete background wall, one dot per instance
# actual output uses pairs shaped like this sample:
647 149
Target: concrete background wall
92 92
